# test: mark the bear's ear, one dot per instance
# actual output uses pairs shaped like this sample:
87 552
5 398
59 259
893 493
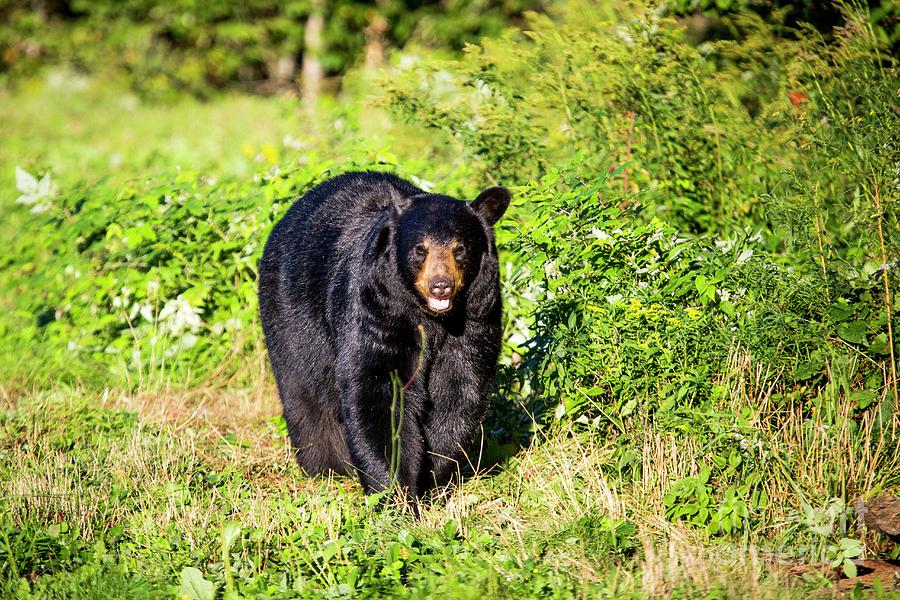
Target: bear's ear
491 204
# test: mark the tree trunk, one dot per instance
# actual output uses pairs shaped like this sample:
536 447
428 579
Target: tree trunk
375 41
312 74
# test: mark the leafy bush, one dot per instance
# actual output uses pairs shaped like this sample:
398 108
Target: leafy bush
634 315
589 95
151 281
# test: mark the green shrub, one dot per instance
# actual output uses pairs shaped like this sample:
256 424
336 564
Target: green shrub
588 95
154 283
633 315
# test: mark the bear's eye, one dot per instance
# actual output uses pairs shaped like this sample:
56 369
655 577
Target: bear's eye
459 253
420 250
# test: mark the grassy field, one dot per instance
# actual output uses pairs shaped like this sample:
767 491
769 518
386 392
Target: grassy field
141 458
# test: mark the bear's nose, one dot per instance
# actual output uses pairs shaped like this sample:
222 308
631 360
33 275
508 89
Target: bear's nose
440 288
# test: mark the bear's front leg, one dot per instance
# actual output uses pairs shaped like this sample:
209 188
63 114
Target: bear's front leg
367 397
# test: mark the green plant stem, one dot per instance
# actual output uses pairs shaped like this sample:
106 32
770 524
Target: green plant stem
887 299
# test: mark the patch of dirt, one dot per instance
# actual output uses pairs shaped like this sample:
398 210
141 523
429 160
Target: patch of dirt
868 572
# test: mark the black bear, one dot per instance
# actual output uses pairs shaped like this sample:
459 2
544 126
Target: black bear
361 272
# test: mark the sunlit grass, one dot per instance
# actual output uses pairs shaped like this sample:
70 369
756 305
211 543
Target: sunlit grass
84 129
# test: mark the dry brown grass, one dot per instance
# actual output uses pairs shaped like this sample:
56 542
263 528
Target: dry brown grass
53 490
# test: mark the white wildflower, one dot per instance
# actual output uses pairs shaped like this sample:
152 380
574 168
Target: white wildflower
725 245
744 256
188 341
290 141
599 235
33 190
625 35
178 315
407 61
551 270
482 90
146 311
223 326
657 236
560 411
442 85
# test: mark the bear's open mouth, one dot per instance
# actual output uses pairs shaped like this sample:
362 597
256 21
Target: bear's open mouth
438 304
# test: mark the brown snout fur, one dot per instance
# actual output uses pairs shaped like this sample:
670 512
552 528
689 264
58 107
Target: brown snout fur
439 264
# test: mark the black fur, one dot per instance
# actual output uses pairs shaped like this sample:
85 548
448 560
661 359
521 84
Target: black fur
340 313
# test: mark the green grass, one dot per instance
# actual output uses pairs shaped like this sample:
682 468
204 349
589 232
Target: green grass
83 130
120 494
113 494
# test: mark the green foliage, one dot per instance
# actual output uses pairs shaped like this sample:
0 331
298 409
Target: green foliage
164 49
120 283
679 201
849 156
635 316
842 555
689 499
588 95
599 535
194 586
317 540
718 16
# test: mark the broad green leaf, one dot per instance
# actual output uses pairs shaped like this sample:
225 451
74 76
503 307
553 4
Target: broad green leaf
194 586
231 532
705 288
863 398
728 308
854 332
879 345
849 568
450 529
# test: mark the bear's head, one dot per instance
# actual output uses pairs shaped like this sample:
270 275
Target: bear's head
441 243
